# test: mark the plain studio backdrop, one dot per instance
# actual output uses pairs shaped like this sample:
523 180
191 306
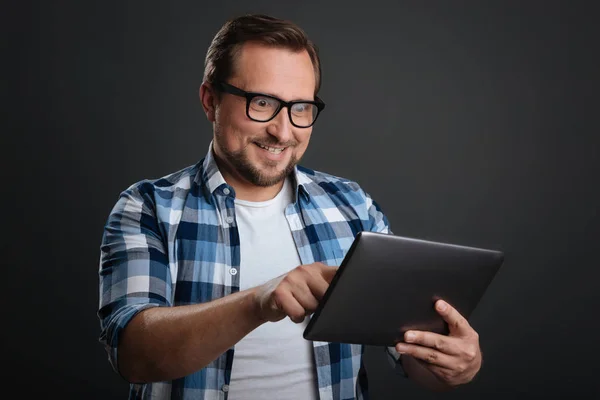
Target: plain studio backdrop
470 122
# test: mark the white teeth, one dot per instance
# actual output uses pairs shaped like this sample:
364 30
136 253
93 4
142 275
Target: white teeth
271 149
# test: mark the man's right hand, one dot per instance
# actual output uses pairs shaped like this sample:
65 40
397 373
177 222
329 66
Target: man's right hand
295 294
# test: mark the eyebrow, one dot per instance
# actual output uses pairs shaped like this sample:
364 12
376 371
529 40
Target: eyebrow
276 96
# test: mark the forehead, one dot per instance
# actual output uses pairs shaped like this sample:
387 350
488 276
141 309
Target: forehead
277 71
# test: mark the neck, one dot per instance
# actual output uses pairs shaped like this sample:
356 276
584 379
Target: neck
249 192
245 190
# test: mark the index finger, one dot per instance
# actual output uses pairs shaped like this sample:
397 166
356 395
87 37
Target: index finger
457 324
442 343
319 283
328 272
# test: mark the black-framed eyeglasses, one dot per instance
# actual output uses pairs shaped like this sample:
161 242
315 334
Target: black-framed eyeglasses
262 107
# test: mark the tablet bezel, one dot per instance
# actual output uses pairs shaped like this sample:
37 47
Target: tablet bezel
494 260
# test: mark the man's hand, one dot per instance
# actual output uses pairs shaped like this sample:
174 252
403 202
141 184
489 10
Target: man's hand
454 359
295 294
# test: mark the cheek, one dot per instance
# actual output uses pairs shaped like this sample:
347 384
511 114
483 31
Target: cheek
303 138
235 128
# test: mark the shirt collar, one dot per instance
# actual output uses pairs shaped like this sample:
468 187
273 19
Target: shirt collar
210 178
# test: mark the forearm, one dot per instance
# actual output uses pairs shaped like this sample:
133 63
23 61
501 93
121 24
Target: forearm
165 343
419 374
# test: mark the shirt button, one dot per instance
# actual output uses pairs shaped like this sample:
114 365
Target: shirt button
229 220
233 271
225 388
226 191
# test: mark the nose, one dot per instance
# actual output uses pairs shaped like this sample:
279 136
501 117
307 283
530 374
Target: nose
281 126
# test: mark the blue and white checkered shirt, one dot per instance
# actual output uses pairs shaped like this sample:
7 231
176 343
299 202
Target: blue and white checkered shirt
174 241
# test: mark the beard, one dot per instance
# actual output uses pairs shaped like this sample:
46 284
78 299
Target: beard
243 166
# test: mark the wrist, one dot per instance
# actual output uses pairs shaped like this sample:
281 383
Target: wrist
255 307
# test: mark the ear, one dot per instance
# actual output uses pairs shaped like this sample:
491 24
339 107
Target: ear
209 100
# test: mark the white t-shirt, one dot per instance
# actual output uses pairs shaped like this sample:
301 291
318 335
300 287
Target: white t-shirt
274 360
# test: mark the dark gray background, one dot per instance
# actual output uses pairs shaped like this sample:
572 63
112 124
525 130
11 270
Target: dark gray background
472 122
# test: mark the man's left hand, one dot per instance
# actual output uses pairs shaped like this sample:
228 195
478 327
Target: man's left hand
454 359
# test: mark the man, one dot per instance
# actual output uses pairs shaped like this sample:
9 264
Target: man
207 274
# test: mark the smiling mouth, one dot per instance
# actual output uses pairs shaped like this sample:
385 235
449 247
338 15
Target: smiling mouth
272 150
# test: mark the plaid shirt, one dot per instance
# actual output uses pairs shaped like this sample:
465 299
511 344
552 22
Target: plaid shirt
174 241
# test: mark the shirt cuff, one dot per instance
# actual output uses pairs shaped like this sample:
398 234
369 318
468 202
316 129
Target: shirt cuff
118 324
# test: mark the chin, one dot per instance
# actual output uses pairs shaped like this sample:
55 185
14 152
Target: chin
264 176
270 178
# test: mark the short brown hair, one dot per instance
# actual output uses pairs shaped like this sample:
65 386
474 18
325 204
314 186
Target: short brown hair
271 31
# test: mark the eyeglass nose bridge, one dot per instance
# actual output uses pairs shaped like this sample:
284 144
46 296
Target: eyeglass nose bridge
282 105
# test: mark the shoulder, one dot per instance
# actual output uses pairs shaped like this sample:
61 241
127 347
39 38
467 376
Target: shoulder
164 189
323 185
329 192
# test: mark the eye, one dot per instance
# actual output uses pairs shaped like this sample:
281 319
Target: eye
299 107
262 103
302 108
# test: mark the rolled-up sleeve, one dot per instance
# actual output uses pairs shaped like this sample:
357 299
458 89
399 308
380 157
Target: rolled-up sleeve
134 268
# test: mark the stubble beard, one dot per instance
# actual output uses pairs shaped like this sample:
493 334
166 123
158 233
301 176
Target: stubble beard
243 166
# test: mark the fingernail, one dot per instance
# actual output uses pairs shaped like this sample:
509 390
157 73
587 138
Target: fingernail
400 348
441 306
410 336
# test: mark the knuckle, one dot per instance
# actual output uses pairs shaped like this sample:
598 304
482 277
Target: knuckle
432 356
471 352
303 272
458 323
279 293
439 344
303 268
288 278
453 374
446 375
293 277
461 368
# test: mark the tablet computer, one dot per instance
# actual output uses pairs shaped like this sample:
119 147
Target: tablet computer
388 284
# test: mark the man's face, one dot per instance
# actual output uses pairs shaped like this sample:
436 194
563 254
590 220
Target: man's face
239 141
